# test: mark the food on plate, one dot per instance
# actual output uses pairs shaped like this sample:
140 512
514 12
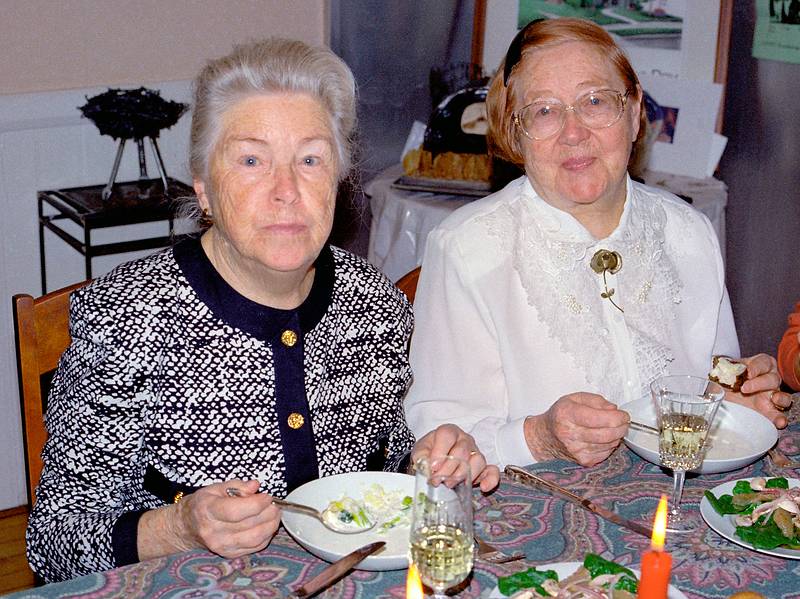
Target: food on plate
346 513
385 509
598 578
447 165
454 146
747 595
728 372
766 512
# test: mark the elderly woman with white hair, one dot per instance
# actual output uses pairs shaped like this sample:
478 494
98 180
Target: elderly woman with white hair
231 368
546 306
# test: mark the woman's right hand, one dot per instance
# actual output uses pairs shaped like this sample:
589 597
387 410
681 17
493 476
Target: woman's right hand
211 519
582 427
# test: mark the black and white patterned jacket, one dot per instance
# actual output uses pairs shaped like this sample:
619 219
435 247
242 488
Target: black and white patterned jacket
174 381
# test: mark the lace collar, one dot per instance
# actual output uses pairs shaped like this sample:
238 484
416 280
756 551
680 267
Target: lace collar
550 251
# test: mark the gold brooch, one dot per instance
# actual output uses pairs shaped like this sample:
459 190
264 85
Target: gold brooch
607 261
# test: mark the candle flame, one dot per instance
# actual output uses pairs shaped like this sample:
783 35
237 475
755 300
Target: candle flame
413 584
660 525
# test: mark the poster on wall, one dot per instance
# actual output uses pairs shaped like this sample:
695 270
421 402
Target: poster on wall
663 38
777 33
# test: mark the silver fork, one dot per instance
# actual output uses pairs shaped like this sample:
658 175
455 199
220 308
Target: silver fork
490 553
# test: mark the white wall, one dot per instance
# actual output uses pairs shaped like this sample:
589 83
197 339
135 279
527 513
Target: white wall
83 47
69 44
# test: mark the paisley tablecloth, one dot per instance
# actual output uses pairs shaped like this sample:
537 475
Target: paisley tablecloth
515 518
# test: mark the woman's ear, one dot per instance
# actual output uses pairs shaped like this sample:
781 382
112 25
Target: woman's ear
202 196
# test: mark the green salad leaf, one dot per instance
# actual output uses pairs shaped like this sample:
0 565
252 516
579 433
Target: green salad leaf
777 483
596 566
764 534
742 486
723 504
527 579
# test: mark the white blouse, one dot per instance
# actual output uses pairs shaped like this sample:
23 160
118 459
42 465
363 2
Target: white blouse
509 314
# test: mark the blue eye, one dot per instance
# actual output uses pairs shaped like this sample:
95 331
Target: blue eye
310 160
250 161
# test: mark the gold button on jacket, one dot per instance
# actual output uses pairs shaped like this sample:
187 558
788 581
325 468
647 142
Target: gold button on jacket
289 338
295 420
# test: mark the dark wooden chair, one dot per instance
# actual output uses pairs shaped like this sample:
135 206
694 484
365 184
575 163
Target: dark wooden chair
41 328
408 283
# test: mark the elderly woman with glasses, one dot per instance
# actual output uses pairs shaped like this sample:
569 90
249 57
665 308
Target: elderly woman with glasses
234 367
545 306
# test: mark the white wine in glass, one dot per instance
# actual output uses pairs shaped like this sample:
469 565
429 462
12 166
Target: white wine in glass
441 525
685 407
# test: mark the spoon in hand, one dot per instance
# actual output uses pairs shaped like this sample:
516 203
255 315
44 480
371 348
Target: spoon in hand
335 517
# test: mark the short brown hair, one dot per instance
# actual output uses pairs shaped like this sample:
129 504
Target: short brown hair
546 33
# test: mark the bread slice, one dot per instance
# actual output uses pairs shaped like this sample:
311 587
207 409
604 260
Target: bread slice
728 372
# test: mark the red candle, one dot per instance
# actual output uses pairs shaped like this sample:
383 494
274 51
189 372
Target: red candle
656 563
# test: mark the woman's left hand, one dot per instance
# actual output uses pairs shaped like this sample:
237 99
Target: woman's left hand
761 391
448 439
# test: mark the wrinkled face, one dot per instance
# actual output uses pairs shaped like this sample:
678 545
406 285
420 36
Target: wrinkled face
272 181
578 165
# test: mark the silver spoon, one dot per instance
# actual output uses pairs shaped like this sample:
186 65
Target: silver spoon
644 427
332 522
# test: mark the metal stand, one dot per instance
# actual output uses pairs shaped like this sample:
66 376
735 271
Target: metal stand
133 202
162 171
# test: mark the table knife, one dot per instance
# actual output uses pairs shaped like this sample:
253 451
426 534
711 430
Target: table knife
336 570
523 476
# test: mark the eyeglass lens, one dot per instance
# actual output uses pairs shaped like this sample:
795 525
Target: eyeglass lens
596 110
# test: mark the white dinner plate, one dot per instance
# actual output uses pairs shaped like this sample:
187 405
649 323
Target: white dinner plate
330 546
738 437
725 525
564 569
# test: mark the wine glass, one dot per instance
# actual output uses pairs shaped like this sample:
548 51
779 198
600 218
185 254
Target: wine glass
685 408
441 525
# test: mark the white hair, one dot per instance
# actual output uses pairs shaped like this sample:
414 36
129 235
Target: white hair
273 65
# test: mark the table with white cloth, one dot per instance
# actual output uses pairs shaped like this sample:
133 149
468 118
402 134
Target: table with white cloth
402 219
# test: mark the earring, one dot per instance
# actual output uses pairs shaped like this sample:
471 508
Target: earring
206 219
606 260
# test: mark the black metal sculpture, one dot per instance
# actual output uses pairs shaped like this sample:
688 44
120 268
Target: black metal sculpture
133 114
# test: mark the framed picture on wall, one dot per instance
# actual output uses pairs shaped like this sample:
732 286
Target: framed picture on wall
685 39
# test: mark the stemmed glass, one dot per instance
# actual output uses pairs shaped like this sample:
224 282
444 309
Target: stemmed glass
441 525
685 408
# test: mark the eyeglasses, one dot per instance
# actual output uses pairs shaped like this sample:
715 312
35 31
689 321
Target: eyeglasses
595 109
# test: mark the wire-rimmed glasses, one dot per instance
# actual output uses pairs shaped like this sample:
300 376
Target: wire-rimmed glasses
597 109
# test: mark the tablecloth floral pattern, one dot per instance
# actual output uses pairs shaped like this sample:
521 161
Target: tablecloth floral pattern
515 518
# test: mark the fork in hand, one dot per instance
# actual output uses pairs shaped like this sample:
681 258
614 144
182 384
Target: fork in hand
492 554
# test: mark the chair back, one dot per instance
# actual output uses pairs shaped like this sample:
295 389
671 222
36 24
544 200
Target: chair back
41 328
408 283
